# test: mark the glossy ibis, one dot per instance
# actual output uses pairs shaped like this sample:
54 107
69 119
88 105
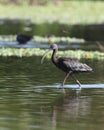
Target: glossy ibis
68 65
23 39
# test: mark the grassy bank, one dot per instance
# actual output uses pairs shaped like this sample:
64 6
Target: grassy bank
79 54
72 12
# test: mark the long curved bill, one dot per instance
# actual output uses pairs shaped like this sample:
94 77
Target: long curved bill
45 55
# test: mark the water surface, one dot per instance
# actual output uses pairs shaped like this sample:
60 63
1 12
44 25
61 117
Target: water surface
24 105
29 95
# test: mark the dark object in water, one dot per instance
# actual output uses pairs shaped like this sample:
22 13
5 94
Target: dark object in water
68 65
23 39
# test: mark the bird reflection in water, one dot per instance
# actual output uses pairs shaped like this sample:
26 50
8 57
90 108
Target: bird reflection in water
71 108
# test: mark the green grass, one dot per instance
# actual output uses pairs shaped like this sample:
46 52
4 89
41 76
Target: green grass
79 54
72 12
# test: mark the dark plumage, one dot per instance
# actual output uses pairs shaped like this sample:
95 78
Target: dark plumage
23 39
68 65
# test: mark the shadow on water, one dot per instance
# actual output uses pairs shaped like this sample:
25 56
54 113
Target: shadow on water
25 105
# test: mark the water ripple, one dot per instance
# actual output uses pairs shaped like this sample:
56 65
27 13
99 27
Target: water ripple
74 86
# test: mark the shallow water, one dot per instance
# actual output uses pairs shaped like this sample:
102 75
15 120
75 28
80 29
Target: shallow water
87 45
29 95
30 99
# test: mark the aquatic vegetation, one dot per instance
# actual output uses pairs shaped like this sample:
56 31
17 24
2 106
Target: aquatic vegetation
58 39
45 39
78 54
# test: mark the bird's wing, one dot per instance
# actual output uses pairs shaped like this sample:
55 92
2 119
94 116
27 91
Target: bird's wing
75 65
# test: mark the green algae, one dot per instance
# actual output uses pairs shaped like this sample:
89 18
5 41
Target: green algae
27 52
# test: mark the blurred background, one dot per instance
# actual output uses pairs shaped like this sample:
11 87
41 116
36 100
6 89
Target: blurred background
77 19
29 94
41 17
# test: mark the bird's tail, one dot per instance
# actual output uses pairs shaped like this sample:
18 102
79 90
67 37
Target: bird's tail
88 68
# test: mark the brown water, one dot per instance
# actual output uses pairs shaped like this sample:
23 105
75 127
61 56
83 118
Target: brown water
26 103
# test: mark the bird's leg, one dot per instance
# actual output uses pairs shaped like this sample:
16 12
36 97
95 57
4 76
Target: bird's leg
77 81
67 75
62 85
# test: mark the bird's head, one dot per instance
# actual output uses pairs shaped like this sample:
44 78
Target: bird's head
52 47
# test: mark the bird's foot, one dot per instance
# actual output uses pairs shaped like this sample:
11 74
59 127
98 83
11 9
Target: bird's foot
62 88
79 88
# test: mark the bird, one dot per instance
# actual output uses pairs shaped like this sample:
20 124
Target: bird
23 39
68 65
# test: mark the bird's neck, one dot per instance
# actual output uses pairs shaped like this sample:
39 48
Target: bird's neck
54 58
